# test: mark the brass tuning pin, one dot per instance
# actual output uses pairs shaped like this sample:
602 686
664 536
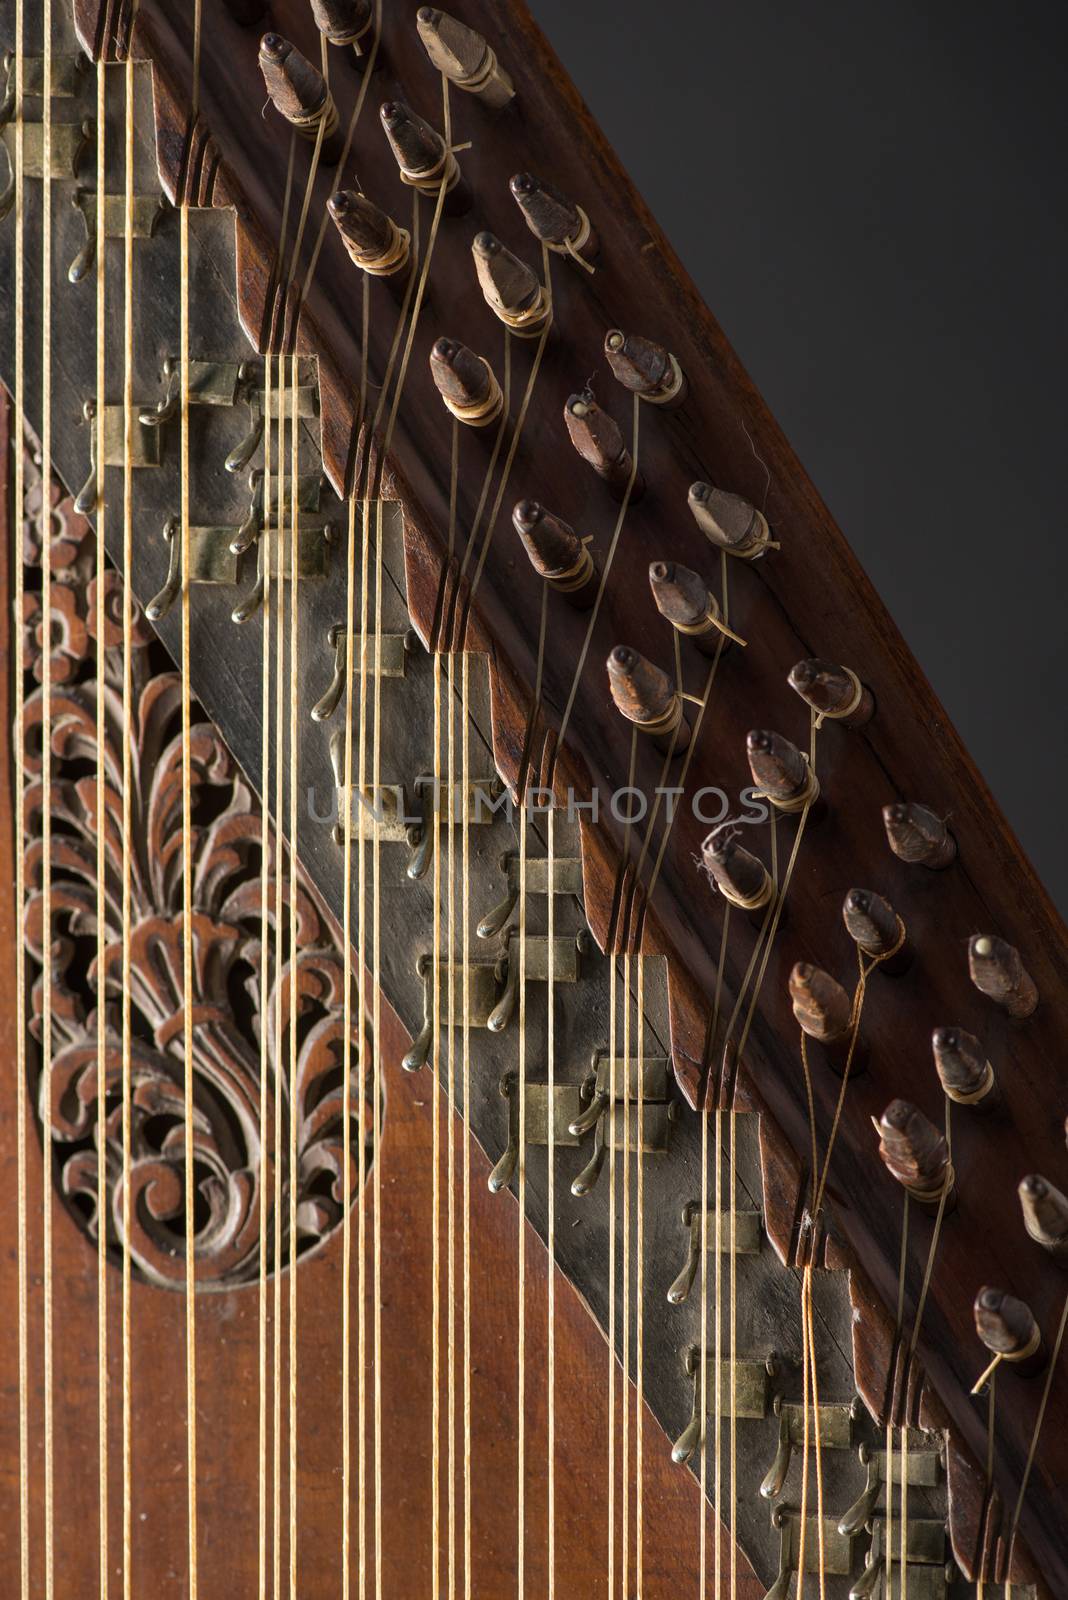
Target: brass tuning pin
465 383
963 1070
424 159
1045 1214
647 697
685 600
877 930
915 1153
556 552
373 240
512 290
833 692
344 22
558 222
917 836
299 92
464 57
1008 1329
598 441
997 971
780 772
645 368
741 878
730 522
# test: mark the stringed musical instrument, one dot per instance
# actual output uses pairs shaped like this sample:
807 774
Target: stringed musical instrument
480 859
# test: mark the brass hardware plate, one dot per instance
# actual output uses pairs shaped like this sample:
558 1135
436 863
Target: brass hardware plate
536 959
655 1129
307 397
383 812
837 1547
567 1103
309 493
747 1232
750 1384
147 210
656 1072
69 140
567 875
68 72
483 994
144 442
391 652
925 1468
311 552
836 1426
477 801
210 558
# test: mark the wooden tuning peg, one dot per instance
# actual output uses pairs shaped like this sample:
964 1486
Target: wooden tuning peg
1008 1329
915 1153
917 836
877 930
1045 1214
299 93
834 692
464 57
422 156
344 22
645 368
465 383
558 222
598 441
822 1007
780 772
997 971
741 878
730 522
647 697
685 600
373 240
963 1070
556 552
512 290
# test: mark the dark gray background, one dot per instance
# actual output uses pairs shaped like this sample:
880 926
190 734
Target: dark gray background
870 197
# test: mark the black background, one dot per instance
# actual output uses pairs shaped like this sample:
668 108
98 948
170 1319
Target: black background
870 198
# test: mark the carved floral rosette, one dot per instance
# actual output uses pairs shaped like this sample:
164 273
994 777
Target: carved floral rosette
239 990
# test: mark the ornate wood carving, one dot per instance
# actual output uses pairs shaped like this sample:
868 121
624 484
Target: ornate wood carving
227 842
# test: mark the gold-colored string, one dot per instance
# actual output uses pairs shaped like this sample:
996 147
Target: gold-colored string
19 683
103 1230
265 1011
46 798
127 824
294 953
639 1274
550 1047
624 1382
1051 1372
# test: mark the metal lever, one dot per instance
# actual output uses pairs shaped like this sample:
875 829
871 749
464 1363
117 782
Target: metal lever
861 1511
246 448
680 1289
775 1476
162 603
504 1170
690 1437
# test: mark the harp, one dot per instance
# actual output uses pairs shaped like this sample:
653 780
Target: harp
480 860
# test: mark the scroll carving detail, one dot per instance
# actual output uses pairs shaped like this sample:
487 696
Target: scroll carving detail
231 1004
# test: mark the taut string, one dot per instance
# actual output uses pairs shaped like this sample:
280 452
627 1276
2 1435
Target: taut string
101 837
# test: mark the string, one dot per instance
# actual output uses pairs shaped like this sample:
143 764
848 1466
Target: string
465 845
265 1006
551 1220
624 1382
717 1344
187 850
19 446
127 823
639 1272
1040 1418
46 795
294 980
450 884
279 926
101 836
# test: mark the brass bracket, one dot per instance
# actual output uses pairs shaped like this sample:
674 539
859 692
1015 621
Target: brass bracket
743 1389
147 211
144 450
742 1228
928 1574
835 1549
646 1134
531 959
566 1104
211 560
446 805
212 383
387 654
925 1472
567 879
835 1433
480 980
273 536
68 140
